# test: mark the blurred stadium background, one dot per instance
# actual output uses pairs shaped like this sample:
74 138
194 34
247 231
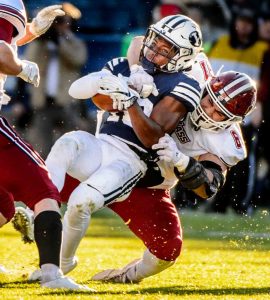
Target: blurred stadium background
106 27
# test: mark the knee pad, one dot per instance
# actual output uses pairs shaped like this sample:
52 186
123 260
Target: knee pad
168 251
60 158
86 196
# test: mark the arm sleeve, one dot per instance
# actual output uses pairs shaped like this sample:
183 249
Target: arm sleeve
87 86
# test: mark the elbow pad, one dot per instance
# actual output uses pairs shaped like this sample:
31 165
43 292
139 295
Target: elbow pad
218 178
195 175
87 86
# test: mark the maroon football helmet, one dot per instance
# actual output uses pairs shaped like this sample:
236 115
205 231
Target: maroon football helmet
235 95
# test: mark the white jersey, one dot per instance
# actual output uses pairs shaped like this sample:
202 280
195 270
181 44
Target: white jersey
14 12
228 145
201 69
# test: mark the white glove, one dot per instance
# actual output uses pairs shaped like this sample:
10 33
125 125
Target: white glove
4 98
30 72
142 81
117 88
168 151
43 20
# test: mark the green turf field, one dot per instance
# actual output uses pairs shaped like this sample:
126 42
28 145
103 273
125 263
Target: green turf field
223 257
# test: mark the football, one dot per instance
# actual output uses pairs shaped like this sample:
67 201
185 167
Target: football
103 102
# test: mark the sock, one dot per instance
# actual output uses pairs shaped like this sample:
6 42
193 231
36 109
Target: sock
75 226
48 236
50 272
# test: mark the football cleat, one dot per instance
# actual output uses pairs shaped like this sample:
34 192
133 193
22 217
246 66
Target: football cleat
67 266
35 276
23 221
116 275
66 284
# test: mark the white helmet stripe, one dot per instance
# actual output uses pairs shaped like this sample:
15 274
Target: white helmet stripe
234 88
234 82
15 14
240 89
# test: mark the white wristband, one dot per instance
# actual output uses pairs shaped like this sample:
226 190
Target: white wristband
182 163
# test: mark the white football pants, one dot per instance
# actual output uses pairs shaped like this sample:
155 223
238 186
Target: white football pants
107 169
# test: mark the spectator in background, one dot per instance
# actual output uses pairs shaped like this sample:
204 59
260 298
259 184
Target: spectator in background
60 56
161 10
263 186
213 17
241 51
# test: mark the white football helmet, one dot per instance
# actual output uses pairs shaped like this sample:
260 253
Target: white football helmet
183 34
233 93
14 12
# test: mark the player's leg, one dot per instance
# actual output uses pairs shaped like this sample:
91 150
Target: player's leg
77 153
6 213
38 192
153 218
104 186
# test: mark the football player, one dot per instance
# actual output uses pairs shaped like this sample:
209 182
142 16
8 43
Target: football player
204 145
18 158
199 160
109 165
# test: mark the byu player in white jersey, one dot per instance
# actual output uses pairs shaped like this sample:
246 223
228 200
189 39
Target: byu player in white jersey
109 165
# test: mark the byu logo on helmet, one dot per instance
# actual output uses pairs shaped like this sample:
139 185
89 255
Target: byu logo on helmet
194 39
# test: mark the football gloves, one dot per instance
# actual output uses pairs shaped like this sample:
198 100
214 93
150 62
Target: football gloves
43 20
142 81
30 72
169 152
117 88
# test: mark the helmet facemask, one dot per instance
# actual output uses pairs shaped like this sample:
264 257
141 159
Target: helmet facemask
173 55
